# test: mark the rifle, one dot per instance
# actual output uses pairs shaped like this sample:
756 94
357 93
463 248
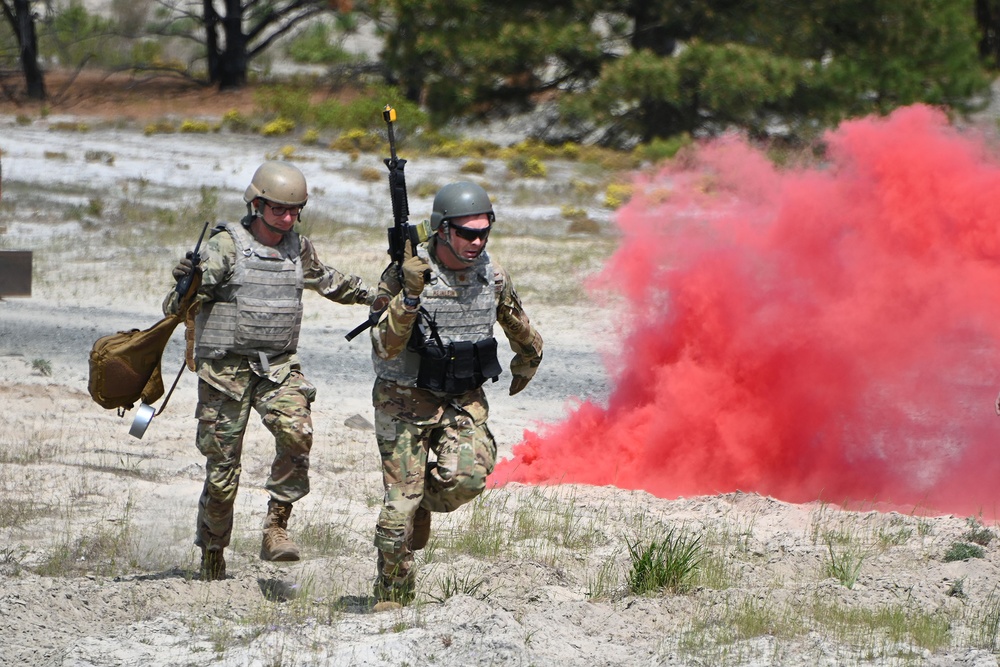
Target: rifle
401 232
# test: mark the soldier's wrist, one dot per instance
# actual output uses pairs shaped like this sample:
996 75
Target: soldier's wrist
411 302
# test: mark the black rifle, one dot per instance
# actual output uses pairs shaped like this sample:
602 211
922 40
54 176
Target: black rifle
185 283
401 232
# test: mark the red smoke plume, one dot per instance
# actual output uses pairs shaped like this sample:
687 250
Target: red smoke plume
826 333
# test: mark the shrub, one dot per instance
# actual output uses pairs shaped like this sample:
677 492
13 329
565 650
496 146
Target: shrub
617 195
356 139
278 126
311 137
527 167
235 121
473 167
195 127
663 149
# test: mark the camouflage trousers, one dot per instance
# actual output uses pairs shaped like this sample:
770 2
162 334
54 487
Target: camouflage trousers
222 421
465 453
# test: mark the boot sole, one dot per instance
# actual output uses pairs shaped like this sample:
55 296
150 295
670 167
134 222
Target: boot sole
280 557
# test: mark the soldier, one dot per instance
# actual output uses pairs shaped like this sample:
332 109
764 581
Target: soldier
432 350
246 332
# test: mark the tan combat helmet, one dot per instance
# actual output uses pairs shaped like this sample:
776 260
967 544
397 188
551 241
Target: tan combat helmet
278 183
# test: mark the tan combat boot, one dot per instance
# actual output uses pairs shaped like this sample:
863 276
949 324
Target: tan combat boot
421 529
213 565
276 544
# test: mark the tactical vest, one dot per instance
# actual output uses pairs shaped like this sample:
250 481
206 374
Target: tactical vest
260 308
452 348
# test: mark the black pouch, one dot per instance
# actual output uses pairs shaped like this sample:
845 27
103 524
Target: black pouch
433 371
462 369
486 358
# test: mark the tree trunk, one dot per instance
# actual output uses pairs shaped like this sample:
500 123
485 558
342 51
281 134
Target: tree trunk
233 59
28 42
988 18
650 30
211 40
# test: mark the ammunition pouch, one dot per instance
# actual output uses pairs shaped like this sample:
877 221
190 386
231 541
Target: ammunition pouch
457 367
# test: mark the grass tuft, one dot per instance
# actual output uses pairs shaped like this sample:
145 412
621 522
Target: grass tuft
665 564
963 551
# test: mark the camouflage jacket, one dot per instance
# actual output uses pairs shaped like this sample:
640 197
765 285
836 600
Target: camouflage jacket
391 334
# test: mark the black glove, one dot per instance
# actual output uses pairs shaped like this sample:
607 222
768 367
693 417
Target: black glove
184 268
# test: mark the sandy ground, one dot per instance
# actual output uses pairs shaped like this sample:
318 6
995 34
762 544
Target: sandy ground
96 561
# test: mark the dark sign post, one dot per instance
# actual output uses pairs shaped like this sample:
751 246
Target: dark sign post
15 273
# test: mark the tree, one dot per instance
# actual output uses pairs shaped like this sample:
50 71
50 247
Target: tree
22 21
988 18
637 70
237 31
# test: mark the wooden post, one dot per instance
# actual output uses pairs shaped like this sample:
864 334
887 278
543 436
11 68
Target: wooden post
15 273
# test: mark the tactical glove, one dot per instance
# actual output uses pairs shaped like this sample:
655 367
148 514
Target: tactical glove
415 271
517 383
184 268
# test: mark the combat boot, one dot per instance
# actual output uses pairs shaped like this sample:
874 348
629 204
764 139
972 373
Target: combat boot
213 565
421 529
276 544
389 594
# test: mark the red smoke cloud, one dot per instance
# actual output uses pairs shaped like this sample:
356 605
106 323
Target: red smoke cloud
825 333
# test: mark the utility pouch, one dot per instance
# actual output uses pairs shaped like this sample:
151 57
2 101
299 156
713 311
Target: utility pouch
433 369
463 361
486 359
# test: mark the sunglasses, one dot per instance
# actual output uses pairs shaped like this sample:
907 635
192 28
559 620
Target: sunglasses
281 211
471 234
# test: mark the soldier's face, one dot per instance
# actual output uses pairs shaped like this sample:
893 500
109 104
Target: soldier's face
469 235
280 217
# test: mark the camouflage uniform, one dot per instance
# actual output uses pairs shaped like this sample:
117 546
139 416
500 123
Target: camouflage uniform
230 384
411 422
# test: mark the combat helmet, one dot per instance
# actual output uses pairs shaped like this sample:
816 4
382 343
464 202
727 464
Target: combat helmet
456 200
279 183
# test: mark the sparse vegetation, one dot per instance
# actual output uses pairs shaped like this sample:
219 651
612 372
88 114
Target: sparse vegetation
42 367
963 551
668 563
844 562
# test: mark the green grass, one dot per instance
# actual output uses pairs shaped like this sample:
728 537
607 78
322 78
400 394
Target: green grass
454 584
667 563
844 562
963 551
985 622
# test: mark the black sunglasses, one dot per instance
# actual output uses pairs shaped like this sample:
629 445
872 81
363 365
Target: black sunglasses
472 234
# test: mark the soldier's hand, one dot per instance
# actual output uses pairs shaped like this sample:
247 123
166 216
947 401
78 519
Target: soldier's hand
415 270
517 383
184 268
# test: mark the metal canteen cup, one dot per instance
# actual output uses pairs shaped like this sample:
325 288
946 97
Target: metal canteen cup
143 416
